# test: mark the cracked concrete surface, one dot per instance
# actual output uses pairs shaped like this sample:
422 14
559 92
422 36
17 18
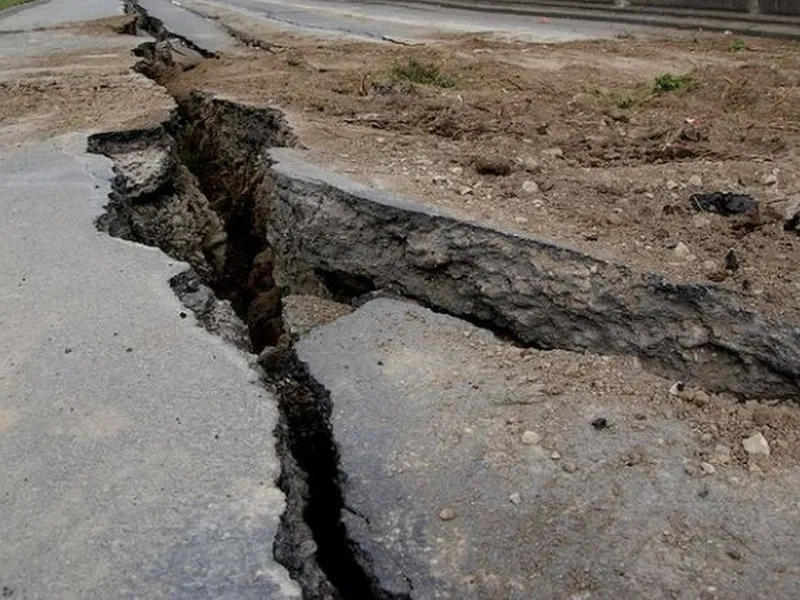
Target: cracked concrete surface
138 448
139 459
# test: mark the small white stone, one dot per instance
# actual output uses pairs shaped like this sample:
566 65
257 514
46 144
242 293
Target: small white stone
671 185
465 190
682 251
515 498
555 455
531 165
530 187
770 179
676 388
447 514
521 220
695 181
530 438
457 170
708 468
756 445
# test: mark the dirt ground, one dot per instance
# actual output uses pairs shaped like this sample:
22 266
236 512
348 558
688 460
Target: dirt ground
592 155
44 94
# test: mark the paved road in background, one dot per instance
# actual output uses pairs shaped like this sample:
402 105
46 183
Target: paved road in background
408 22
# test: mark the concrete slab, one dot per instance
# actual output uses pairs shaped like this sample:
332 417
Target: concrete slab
138 449
474 469
57 12
205 33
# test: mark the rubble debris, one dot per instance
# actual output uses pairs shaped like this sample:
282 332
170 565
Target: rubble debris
724 203
756 445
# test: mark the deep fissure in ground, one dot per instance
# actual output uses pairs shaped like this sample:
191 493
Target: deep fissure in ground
194 187
201 188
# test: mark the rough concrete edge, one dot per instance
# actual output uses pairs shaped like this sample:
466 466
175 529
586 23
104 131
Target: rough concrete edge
766 350
292 164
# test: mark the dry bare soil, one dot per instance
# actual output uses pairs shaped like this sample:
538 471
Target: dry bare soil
573 142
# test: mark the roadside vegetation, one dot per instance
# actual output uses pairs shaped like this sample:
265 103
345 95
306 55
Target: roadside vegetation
426 74
9 3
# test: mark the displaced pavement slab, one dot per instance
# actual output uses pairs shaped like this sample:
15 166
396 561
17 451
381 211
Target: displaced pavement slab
475 469
52 13
204 33
138 449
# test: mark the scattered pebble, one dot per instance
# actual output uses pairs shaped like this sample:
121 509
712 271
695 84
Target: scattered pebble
708 468
695 181
555 455
682 251
520 220
569 467
731 261
531 165
530 438
457 170
492 165
600 423
770 179
701 220
515 498
447 514
554 152
690 470
672 185
722 454
530 187
464 190
676 388
701 398
724 203
756 445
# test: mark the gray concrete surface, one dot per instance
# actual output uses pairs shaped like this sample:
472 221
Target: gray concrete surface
138 453
428 414
629 17
57 12
205 33
404 21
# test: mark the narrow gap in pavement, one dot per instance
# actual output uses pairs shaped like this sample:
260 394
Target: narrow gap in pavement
196 187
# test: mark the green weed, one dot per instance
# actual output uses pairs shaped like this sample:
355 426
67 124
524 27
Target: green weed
426 74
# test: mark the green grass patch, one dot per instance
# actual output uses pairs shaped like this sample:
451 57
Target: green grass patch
621 98
426 74
671 83
737 46
9 3
625 101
